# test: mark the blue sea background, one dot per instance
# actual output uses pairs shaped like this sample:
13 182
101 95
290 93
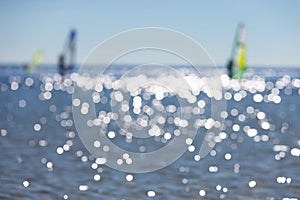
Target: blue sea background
31 168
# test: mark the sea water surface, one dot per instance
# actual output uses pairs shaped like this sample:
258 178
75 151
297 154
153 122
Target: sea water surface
257 156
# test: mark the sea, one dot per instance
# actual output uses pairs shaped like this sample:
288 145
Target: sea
256 155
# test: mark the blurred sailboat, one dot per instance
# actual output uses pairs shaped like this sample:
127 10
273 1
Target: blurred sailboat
237 64
68 54
36 60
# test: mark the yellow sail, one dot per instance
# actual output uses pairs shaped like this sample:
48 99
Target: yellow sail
241 57
239 54
36 60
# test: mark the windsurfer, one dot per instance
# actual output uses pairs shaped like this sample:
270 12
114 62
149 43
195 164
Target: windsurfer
229 68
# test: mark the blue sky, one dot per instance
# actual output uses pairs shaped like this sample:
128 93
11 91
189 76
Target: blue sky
273 27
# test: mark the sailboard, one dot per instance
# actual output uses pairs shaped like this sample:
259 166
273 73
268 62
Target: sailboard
68 54
237 63
36 60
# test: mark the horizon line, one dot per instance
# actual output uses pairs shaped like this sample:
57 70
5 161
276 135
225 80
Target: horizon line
4 64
